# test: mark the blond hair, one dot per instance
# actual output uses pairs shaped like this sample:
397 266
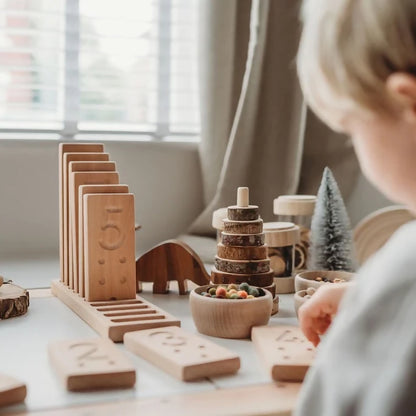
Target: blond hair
348 49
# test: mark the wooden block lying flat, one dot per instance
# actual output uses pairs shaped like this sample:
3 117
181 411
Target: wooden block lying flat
83 190
255 279
12 391
109 240
88 364
113 319
76 179
285 351
183 355
242 266
242 253
79 151
242 239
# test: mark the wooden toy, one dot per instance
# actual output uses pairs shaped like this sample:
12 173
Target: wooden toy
114 318
242 253
307 279
87 364
12 391
181 354
90 189
228 318
285 351
73 213
14 300
170 260
65 156
109 247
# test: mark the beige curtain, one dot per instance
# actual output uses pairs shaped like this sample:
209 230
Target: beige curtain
256 131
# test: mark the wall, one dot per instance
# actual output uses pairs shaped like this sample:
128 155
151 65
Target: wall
164 176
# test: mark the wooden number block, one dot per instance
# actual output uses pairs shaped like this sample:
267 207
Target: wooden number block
88 364
109 241
65 148
181 354
12 391
285 350
90 189
82 166
76 179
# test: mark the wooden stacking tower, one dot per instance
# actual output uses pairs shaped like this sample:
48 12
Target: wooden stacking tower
241 252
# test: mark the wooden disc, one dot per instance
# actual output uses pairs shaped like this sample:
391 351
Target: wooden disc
249 213
243 227
242 253
242 239
271 289
255 279
14 301
242 266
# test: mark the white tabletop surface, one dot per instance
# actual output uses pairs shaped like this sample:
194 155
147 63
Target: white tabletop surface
24 341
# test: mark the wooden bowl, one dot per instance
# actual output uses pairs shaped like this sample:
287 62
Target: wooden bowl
229 318
306 279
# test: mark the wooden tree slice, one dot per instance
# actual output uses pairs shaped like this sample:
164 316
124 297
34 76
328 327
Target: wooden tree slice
242 253
242 266
14 301
237 213
243 227
255 279
242 239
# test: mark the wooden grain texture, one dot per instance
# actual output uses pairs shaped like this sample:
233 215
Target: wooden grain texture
271 399
82 166
285 351
14 301
113 319
109 252
242 253
255 279
89 364
12 391
243 227
242 239
237 213
242 266
170 260
229 318
183 355
285 284
76 179
83 190
65 148
67 159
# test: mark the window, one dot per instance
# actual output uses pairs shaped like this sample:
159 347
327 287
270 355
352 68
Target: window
80 67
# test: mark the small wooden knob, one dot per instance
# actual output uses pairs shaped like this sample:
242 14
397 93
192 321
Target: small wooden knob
242 196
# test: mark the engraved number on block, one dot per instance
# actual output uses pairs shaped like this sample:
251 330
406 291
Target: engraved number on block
111 225
89 352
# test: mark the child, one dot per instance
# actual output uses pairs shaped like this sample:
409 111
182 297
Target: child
357 67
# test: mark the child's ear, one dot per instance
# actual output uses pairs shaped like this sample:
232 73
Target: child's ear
402 87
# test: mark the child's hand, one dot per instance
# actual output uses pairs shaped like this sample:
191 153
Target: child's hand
315 315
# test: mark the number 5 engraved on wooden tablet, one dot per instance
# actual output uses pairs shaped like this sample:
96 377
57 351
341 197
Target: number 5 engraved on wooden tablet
181 354
109 247
82 166
90 189
285 350
91 364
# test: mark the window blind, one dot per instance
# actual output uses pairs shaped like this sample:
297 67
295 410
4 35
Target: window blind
91 66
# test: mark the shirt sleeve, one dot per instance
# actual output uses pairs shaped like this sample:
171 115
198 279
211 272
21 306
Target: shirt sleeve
366 364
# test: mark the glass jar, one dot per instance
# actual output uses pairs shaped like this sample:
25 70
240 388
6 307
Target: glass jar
299 210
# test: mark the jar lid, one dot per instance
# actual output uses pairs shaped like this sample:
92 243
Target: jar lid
217 218
281 234
294 205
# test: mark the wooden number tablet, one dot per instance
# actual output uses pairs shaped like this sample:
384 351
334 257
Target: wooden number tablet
76 179
12 391
109 247
89 189
285 350
82 166
88 364
63 149
181 354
